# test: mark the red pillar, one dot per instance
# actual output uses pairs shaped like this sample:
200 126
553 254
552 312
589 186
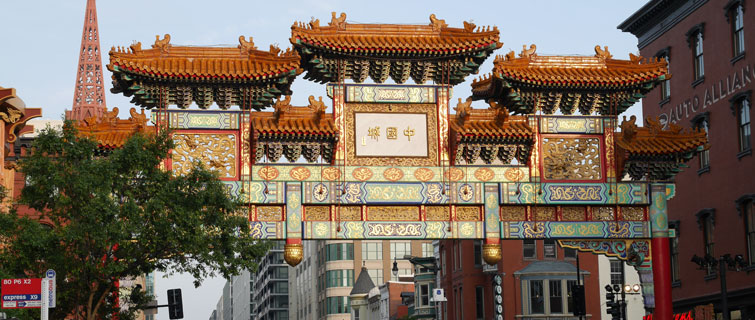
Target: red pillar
662 279
658 216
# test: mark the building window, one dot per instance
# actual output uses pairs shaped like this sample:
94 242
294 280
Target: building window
443 261
376 275
529 249
536 297
478 253
701 122
339 278
549 248
335 305
746 208
372 251
736 14
424 295
695 40
480 303
617 271
356 314
666 84
706 222
339 251
744 124
400 249
674 251
570 253
548 297
569 297
427 250
457 254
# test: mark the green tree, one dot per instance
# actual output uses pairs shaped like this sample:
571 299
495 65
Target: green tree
119 215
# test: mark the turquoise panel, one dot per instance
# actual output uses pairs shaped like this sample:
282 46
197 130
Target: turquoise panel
574 193
575 230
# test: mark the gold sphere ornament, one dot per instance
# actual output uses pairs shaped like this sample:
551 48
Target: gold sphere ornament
293 253
491 253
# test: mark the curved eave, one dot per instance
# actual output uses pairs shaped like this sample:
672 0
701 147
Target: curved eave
411 50
289 71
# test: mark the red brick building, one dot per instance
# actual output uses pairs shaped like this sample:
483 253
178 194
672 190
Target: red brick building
537 277
707 44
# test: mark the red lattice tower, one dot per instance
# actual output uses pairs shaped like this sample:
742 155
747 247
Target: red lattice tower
89 96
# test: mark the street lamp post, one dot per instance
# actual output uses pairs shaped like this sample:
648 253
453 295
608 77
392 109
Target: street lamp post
724 262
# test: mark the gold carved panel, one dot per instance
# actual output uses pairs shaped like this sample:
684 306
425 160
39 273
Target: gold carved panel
513 213
571 158
573 213
316 213
544 213
633 213
216 151
603 213
436 213
392 213
350 213
352 137
468 213
269 213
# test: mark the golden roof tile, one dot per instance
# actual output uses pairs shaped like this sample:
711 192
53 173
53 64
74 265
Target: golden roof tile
110 132
243 62
653 140
287 119
492 122
434 39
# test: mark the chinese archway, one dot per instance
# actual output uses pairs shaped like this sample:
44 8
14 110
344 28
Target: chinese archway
547 157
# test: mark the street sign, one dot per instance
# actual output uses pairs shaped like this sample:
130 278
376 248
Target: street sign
21 293
50 278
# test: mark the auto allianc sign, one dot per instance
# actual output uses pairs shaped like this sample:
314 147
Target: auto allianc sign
21 293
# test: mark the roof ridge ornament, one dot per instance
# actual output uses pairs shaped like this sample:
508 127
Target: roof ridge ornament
602 54
163 44
135 47
527 53
438 23
469 26
500 112
281 107
635 59
463 110
339 23
246 46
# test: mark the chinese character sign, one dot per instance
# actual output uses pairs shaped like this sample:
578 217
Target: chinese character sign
390 134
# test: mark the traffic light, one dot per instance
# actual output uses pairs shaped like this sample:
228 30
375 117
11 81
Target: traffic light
578 300
613 307
498 297
175 304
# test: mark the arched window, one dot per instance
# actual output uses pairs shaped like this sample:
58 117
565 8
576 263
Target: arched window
702 122
695 41
735 15
740 106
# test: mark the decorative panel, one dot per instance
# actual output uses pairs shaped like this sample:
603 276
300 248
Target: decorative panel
317 213
204 119
571 158
574 230
467 213
571 124
392 213
603 213
269 213
513 213
326 173
390 94
393 193
349 213
633 213
570 213
217 151
437 213
544 213
574 193
382 134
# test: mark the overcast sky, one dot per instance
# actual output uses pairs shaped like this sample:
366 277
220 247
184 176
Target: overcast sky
41 39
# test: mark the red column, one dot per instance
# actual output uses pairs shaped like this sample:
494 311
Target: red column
662 279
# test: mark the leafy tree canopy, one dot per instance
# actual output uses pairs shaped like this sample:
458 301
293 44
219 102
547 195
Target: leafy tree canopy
119 216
